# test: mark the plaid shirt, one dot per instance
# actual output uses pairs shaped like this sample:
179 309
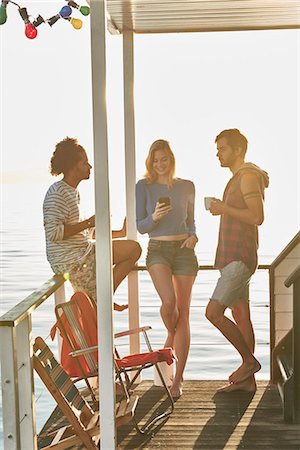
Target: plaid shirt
238 241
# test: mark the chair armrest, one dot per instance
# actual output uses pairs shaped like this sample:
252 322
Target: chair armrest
134 331
94 348
82 351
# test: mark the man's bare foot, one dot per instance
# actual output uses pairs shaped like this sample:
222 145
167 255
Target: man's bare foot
248 385
120 307
245 370
176 389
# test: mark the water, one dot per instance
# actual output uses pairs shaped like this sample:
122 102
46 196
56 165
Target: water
24 268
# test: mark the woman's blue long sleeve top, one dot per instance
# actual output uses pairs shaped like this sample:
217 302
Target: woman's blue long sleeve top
178 221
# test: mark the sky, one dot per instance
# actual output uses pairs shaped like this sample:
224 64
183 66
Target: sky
188 87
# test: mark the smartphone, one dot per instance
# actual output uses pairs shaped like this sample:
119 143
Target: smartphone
165 200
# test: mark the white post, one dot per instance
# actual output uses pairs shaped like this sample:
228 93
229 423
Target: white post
103 229
129 129
10 398
60 297
25 385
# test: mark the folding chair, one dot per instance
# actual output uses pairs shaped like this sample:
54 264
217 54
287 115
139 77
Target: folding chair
83 420
77 323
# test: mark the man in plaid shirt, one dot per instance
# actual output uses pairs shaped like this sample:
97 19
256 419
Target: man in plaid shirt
240 211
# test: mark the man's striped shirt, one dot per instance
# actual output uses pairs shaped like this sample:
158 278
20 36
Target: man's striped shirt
61 206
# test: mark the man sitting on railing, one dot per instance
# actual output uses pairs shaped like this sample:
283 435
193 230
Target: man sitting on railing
241 212
68 244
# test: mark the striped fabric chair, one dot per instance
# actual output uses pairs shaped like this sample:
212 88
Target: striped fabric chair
77 323
83 420
72 318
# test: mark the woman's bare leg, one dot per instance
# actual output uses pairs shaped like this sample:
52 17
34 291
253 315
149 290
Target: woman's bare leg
183 285
162 279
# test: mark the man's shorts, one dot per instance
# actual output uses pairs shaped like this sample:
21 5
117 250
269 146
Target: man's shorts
83 276
233 284
182 261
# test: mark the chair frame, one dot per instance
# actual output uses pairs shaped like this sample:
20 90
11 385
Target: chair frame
84 427
81 348
78 339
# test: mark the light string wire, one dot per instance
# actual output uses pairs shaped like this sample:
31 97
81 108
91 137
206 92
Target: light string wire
31 25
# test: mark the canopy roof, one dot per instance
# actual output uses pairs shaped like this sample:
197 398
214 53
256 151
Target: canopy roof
173 16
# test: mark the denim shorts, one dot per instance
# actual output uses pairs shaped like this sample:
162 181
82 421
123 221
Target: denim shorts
233 284
182 261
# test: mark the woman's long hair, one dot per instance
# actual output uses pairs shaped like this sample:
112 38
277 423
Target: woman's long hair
151 175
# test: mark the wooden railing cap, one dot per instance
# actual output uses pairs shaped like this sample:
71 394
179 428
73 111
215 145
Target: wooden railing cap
295 275
15 315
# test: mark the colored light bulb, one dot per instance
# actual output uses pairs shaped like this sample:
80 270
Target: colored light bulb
30 31
3 13
65 11
85 10
77 23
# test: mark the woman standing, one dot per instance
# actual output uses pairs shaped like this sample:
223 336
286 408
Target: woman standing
165 210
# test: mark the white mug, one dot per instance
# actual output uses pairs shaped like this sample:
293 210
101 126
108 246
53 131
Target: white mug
207 202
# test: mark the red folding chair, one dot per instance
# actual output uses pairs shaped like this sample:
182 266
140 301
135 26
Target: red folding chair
77 323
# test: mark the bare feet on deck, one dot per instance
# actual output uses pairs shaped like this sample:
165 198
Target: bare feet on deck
245 370
176 389
248 385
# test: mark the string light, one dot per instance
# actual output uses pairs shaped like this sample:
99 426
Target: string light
30 30
3 13
77 23
31 25
85 10
64 12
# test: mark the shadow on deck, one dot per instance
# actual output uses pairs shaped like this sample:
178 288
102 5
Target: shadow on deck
204 419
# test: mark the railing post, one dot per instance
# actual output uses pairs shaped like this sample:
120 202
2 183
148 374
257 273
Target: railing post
10 398
28 438
60 297
294 280
129 130
296 348
18 404
272 322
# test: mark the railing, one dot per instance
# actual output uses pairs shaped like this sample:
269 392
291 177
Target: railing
16 367
287 357
16 352
294 280
285 327
280 298
16 364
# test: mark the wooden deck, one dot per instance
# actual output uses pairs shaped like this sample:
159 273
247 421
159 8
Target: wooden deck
206 420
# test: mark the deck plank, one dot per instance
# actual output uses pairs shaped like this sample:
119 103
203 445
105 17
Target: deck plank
203 419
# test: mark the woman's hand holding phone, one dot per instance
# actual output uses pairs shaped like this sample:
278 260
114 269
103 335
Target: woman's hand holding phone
161 209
